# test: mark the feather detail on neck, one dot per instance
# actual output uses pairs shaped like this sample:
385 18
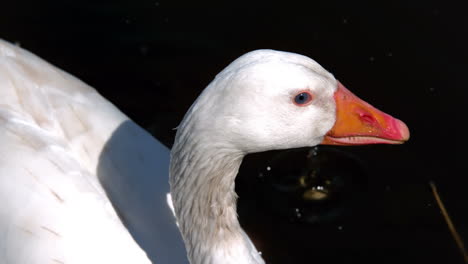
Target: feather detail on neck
202 178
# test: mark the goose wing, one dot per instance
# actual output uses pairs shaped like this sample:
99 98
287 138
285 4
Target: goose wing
76 175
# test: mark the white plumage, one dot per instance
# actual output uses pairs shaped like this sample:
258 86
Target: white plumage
59 141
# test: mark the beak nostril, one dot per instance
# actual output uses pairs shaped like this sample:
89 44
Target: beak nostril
367 118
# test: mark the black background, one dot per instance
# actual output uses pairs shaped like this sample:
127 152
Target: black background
408 58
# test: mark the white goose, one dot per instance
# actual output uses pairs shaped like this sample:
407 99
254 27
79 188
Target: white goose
70 162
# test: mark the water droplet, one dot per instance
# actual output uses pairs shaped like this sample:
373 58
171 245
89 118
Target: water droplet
268 168
340 227
313 152
297 213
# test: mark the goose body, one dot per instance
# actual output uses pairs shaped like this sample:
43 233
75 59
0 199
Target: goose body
65 153
82 183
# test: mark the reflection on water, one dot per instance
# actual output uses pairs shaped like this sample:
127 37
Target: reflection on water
327 205
312 185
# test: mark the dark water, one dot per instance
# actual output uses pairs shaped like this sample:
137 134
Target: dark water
152 58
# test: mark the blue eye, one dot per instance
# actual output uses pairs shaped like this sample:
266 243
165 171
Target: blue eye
302 98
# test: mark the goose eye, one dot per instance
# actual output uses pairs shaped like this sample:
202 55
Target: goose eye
302 98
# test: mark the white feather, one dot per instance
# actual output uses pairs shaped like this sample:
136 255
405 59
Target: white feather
60 143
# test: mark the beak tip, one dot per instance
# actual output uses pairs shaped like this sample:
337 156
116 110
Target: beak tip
404 131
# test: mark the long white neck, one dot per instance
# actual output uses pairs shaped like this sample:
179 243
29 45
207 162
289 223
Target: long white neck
202 175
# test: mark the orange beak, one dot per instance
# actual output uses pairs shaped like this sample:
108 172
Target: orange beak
359 123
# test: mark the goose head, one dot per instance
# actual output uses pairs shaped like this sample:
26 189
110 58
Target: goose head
262 101
269 99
